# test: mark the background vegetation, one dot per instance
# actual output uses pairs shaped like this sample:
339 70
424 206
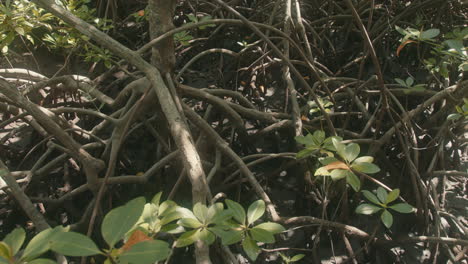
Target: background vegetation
244 131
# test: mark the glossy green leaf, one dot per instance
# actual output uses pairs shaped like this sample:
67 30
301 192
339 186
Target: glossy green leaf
367 209
262 235
368 159
297 257
237 210
120 220
382 194
255 211
250 247
351 152
392 196
402 208
15 239
146 252
188 238
365 167
189 222
387 218
200 211
271 227
353 181
73 244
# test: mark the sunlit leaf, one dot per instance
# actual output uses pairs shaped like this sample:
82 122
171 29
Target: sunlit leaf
237 210
15 239
255 211
392 196
367 209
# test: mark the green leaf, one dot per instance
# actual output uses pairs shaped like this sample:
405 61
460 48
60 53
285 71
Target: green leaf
221 217
146 252
15 239
297 258
262 235
73 244
354 181
367 209
189 222
402 208
351 151
237 210
318 137
327 160
42 261
368 159
213 211
271 227
387 218
200 211
120 220
228 237
392 196
170 217
5 251
306 152
455 45
338 174
430 33
365 167
188 238
322 171
401 31
328 143
40 243
409 81
400 82
255 211
371 197
250 247
156 199
340 147
20 31
206 236
382 194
